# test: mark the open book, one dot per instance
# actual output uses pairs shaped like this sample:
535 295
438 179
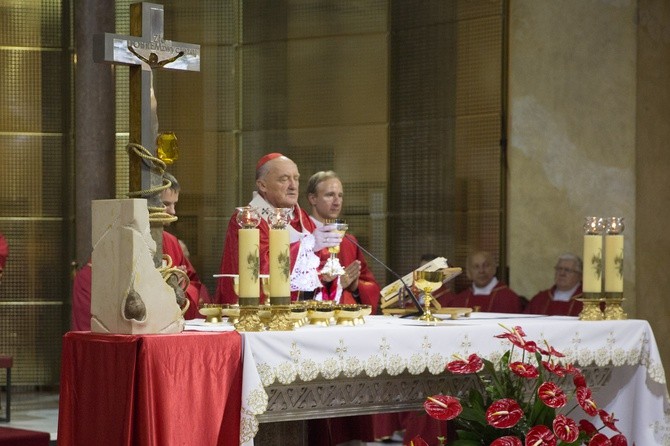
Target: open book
390 294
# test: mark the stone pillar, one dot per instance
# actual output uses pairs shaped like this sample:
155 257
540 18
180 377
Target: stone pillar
94 163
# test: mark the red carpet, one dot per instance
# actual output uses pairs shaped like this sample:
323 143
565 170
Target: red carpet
21 437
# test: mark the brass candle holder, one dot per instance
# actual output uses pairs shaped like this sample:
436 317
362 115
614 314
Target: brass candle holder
613 308
591 310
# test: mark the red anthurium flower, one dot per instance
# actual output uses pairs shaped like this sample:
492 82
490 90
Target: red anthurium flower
507 440
619 440
442 407
472 365
571 369
540 436
524 370
552 395
585 401
503 413
551 351
516 336
565 428
608 420
556 369
600 440
588 427
417 441
579 380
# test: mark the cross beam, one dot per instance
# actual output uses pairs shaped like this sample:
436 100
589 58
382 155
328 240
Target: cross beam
145 50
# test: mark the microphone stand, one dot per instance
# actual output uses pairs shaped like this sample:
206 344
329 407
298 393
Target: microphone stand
419 308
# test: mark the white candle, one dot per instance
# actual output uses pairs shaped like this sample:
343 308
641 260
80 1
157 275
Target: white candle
592 274
249 263
614 263
280 263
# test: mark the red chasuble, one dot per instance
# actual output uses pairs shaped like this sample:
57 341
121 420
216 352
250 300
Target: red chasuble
501 300
544 303
196 290
229 261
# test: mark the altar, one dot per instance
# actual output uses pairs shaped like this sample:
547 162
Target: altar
387 364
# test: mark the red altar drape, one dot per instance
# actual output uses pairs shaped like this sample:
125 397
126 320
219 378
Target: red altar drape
178 389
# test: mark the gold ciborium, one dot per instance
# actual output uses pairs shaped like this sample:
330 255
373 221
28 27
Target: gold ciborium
427 281
333 266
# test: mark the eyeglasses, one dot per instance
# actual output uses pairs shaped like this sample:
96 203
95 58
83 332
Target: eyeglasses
560 269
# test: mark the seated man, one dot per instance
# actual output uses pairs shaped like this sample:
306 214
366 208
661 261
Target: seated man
560 299
196 292
277 183
486 293
357 284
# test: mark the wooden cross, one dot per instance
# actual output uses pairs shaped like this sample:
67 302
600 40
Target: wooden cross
145 50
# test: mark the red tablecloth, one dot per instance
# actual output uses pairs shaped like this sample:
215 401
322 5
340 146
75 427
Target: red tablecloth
159 390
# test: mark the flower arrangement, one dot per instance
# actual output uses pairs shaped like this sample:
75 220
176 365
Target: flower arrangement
518 402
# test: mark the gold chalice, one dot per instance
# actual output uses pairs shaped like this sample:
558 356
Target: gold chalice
427 281
333 266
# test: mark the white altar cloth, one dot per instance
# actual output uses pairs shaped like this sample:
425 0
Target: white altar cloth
636 394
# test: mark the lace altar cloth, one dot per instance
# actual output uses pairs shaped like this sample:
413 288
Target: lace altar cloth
636 394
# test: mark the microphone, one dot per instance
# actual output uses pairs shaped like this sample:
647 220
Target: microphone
418 306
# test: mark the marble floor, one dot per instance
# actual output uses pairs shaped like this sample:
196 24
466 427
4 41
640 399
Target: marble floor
33 409
37 410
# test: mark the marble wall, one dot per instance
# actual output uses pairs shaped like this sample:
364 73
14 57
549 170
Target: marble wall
588 129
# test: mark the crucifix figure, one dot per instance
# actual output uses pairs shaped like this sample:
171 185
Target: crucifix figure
144 51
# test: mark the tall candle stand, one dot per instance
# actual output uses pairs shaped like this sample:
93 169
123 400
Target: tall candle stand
592 271
614 269
249 270
280 271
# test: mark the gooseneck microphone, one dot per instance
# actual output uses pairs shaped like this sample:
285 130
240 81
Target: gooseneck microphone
418 306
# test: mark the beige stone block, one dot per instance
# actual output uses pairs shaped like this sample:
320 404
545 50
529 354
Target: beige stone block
128 293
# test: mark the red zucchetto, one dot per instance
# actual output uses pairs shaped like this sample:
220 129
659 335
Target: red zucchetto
266 158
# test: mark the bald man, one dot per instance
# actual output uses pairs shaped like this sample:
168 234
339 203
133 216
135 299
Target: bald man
277 184
486 293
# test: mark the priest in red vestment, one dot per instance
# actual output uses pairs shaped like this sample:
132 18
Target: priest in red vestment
486 293
277 183
357 284
561 299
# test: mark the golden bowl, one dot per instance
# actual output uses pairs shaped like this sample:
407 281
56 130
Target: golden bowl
232 312
347 314
320 316
212 313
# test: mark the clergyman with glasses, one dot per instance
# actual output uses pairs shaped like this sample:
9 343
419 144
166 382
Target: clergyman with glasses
561 298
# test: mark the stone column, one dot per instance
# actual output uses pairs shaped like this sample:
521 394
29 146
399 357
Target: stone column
94 163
